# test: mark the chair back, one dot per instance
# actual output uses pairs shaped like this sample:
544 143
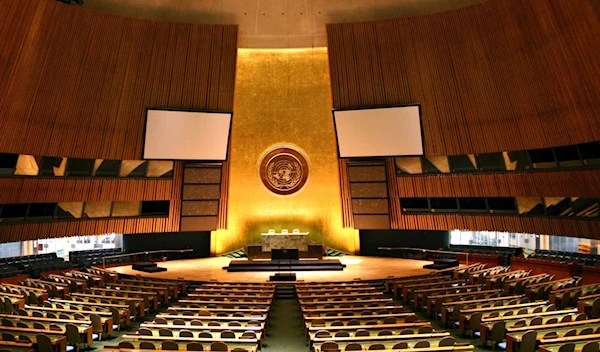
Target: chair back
170 345
43 343
73 336
7 336
126 345
498 331
528 341
569 347
536 321
194 346
595 311
219 346
24 338
353 346
422 344
447 341
165 332
362 332
8 306
145 345
96 323
185 333
591 347
145 332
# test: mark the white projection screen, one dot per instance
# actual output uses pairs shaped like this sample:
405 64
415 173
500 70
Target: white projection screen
186 135
394 131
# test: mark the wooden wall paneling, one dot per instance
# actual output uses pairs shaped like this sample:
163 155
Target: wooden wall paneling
213 72
180 55
201 210
537 266
202 70
26 190
227 75
590 275
369 211
500 75
580 183
393 194
224 196
76 83
346 195
509 223
13 21
32 231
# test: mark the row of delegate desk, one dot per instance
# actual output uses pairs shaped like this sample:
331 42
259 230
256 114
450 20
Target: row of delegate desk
216 316
496 305
354 316
63 315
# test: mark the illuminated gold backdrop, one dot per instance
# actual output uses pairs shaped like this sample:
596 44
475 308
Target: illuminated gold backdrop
283 96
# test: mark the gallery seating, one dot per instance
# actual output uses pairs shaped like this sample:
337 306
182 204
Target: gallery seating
91 257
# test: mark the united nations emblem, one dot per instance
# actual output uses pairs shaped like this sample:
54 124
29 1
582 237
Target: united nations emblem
283 170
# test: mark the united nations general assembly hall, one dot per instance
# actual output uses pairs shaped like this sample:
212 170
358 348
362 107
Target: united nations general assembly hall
299 175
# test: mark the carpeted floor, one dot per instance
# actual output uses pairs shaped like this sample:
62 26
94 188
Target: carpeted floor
285 332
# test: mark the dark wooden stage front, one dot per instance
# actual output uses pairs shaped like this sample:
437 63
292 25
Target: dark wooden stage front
287 265
357 267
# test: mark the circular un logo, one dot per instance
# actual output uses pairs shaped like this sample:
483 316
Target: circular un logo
283 170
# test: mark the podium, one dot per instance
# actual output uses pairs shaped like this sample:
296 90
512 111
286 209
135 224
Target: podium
297 241
284 241
284 253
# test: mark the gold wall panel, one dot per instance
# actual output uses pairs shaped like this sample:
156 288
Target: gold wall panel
283 97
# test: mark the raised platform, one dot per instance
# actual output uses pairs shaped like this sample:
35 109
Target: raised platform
255 251
147 267
207 269
284 265
440 264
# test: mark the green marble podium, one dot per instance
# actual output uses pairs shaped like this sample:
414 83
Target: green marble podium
272 241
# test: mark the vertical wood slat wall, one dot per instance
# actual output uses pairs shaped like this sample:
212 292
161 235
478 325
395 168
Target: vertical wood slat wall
224 197
392 185
347 215
524 224
77 83
140 190
501 75
42 190
581 183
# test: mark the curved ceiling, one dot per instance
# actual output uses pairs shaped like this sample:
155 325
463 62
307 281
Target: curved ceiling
274 23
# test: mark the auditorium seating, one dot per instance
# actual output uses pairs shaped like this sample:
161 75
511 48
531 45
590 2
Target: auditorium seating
354 316
31 264
75 309
504 254
220 317
492 305
513 309
91 257
582 258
